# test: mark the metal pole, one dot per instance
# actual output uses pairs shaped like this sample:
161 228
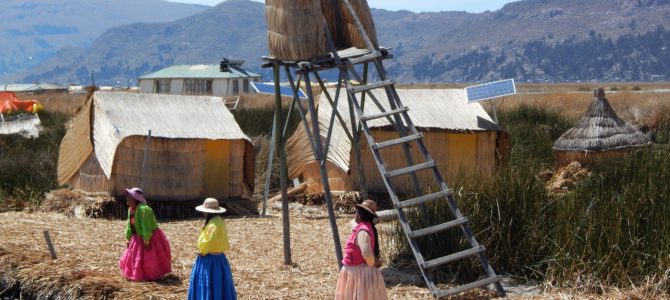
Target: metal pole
319 155
144 159
268 173
283 173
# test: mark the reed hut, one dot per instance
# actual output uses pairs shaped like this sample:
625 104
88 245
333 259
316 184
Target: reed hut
196 149
460 136
599 133
296 29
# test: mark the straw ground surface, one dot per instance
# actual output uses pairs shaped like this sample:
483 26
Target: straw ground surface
87 252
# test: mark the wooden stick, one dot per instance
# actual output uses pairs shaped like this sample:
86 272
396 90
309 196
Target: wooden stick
52 251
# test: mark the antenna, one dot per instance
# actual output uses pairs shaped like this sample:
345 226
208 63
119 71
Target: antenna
224 65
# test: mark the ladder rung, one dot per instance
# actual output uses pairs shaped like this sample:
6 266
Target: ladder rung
437 228
452 257
365 58
472 285
404 139
372 86
411 169
385 114
423 199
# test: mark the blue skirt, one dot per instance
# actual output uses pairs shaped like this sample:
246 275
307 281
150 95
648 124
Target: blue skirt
211 279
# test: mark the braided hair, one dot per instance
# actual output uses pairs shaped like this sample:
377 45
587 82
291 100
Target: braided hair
367 216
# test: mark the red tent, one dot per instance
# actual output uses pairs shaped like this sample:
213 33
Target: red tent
10 104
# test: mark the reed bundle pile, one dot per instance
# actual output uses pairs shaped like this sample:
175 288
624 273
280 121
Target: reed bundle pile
295 29
342 26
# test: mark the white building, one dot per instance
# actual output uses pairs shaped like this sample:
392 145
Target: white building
226 79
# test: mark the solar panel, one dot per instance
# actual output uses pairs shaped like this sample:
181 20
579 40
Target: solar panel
490 90
269 88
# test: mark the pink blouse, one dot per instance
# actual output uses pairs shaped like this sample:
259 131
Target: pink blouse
352 252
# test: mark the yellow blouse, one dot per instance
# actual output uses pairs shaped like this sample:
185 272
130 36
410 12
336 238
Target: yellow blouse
213 237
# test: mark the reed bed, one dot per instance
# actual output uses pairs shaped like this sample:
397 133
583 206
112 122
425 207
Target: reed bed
28 165
607 234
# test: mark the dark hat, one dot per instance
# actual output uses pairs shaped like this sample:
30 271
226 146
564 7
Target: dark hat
369 205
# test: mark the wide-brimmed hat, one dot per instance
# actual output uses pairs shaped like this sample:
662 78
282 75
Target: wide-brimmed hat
211 206
369 205
135 193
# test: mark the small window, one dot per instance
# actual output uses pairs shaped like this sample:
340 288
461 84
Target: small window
204 87
245 85
197 87
189 86
236 87
163 86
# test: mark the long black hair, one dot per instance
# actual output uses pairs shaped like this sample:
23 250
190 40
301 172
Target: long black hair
209 217
367 216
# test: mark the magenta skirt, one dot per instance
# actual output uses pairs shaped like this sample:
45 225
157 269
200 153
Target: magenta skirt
146 263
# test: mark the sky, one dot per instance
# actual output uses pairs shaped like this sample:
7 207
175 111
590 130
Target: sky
474 6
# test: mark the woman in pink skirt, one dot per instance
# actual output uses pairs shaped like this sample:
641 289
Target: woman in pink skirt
147 256
360 277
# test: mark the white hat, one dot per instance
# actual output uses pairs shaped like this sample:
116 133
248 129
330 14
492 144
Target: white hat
210 205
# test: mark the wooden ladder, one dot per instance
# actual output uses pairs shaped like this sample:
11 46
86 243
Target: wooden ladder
397 115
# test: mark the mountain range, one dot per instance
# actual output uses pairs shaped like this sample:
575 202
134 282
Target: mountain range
529 40
33 31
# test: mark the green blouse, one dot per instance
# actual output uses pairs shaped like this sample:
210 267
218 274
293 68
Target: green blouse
145 222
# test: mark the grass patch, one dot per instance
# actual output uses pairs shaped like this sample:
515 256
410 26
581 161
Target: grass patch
612 228
28 165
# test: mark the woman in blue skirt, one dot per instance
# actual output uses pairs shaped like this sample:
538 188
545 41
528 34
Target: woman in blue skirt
211 277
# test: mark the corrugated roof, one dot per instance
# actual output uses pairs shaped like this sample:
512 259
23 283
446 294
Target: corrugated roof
434 109
118 115
199 71
31 87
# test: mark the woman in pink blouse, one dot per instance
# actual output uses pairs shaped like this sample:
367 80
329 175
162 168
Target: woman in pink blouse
360 277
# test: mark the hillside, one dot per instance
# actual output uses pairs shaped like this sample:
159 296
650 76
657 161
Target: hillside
33 31
530 40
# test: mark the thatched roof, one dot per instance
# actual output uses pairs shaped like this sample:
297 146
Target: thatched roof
429 109
114 116
600 129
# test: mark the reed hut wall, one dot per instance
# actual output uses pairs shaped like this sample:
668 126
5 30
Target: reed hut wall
174 169
295 29
454 152
76 145
338 180
342 26
90 177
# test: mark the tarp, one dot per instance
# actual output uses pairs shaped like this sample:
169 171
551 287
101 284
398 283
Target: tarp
10 104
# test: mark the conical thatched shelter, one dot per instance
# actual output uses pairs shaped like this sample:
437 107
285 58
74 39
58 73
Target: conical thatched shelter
598 133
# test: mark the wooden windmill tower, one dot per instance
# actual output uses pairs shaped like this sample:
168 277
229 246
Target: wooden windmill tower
308 37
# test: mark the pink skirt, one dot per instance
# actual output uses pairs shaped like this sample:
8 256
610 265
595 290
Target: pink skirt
360 282
146 263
